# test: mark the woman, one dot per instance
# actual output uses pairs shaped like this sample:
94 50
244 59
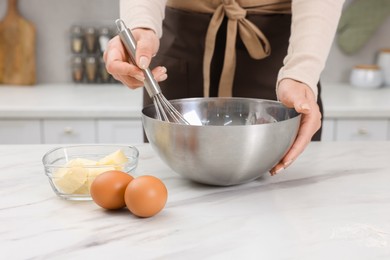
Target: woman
270 49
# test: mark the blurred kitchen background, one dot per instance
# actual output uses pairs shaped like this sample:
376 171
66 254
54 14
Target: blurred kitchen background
54 20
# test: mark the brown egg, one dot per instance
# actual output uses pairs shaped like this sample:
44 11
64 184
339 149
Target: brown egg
108 189
146 196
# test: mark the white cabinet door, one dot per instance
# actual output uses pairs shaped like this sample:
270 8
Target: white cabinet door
328 128
362 130
120 131
388 129
20 132
69 131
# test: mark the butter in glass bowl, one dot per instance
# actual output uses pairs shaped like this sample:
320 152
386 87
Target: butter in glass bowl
72 169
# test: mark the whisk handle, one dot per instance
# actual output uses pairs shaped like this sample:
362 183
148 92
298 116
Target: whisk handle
130 44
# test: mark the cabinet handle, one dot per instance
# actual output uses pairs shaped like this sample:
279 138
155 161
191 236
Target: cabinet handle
68 130
362 131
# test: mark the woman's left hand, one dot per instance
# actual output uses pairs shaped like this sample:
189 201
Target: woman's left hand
299 96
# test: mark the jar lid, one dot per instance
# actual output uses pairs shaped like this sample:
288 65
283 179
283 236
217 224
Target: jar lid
386 50
77 60
104 31
90 30
367 67
76 30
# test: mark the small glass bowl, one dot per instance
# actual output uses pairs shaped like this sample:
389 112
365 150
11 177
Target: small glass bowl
72 169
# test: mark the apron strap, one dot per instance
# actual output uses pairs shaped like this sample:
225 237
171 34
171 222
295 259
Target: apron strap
254 40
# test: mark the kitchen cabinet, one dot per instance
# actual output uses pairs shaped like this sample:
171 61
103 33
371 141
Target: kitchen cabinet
66 113
367 129
71 131
353 114
328 128
20 131
119 131
68 131
361 130
63 113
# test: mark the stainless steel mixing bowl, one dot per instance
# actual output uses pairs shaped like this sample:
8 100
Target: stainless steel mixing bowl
230 140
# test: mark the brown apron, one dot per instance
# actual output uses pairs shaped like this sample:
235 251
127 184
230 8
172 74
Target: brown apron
182 50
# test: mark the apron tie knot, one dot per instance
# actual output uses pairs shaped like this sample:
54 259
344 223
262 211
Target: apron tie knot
234 11
254 40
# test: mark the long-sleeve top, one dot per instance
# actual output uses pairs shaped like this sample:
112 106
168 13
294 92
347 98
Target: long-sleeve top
313 27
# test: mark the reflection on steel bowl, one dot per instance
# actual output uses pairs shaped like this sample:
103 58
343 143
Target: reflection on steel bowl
229 140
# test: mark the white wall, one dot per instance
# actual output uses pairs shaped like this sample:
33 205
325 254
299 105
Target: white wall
53 19
339 64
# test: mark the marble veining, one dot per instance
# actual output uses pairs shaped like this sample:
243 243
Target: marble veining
332 203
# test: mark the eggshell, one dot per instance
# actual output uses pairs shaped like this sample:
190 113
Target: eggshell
108 189
94 172
145 196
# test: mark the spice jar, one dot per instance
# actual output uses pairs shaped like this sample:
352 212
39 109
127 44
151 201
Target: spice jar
91 67
104 75
90 39
384 64
77 39
77 69
104 38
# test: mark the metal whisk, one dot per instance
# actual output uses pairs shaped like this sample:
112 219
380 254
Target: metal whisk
164 109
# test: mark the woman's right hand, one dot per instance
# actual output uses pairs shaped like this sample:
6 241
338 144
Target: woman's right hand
119 65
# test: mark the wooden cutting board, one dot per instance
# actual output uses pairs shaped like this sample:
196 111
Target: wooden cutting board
17 48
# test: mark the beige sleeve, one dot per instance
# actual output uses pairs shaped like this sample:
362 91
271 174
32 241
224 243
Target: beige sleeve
314 23
143 13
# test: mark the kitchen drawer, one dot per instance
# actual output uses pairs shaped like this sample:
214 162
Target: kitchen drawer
120 131
362 130
20 131
69 131
328 128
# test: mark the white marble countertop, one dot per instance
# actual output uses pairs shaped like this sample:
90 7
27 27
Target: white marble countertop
345 101
332 203
117 101
70 100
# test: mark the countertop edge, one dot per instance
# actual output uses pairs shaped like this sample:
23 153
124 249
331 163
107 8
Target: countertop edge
116 101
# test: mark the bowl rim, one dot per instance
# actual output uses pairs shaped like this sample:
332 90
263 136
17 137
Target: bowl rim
298 115
49 165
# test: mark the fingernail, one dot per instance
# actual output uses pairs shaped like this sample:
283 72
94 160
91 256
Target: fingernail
286 164
277 171
143 62
140 78
163 69
162 77
305 107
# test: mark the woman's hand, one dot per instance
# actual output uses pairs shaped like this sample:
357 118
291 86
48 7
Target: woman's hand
119 65
299 96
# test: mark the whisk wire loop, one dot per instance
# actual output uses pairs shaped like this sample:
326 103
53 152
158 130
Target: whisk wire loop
164 109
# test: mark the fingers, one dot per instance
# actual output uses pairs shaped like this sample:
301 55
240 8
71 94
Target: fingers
159 73
304 102
127 73
122 69
147 46
310 123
